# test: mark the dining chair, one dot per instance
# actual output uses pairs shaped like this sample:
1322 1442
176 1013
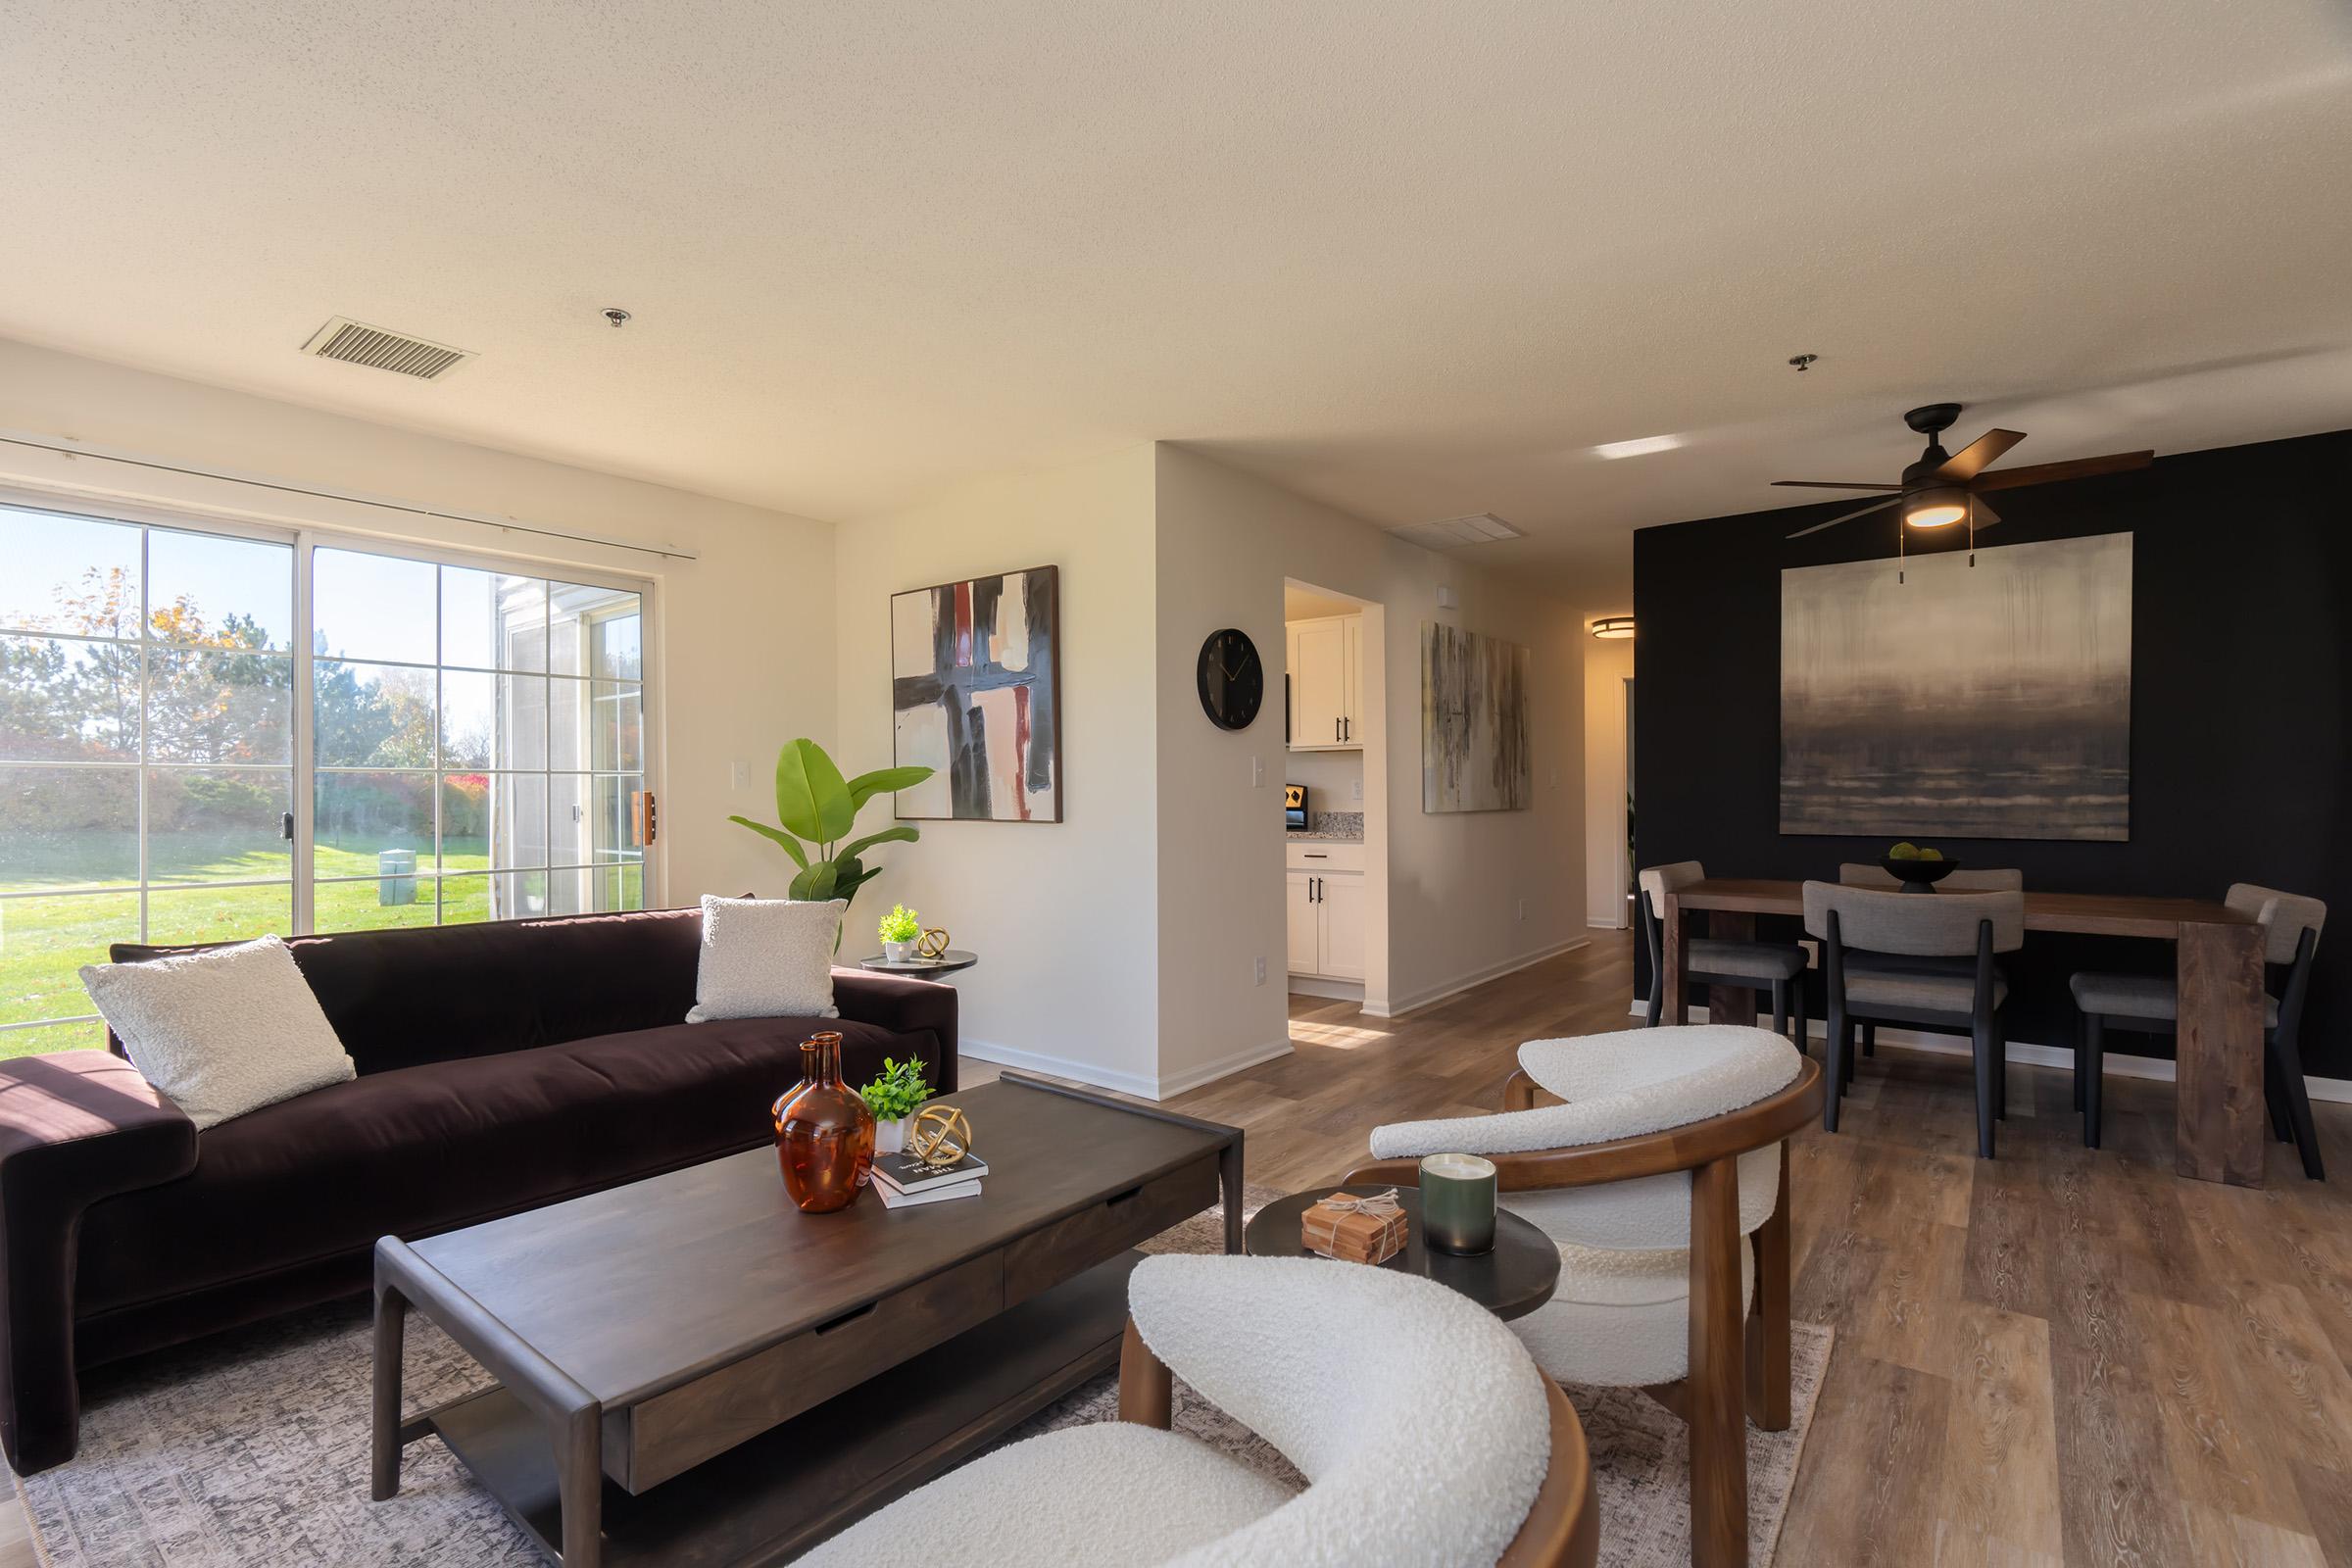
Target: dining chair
2150 1005
1874 942
1968 879
1425 1431
1669 1155
1775 966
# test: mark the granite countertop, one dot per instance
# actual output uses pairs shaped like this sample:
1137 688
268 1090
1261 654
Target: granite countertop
1332 827
1357 837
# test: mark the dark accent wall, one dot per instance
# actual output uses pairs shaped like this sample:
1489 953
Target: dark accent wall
2241 666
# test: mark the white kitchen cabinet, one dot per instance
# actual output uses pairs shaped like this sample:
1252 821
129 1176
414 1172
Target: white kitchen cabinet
1325 892
1305 924
1326 661
1339 921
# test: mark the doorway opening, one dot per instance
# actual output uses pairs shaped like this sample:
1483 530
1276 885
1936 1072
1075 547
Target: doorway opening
1335 796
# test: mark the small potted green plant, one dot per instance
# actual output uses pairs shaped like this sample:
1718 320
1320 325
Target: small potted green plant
900 929
893 1098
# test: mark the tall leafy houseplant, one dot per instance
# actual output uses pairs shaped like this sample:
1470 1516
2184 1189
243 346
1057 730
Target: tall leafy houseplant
818 808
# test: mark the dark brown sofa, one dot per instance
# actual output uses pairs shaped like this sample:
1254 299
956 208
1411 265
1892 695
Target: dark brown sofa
501 1067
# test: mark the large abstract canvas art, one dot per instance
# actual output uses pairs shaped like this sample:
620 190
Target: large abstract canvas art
976 696
1991 702
1473 722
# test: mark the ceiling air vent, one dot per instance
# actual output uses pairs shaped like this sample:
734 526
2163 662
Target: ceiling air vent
1449 533
357 343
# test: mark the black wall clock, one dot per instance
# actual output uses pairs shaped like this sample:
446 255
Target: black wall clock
1233 680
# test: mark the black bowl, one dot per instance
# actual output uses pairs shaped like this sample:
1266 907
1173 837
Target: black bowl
1918 876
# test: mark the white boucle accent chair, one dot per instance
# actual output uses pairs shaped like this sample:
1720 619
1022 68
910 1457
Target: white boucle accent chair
1669 1151
1426 1434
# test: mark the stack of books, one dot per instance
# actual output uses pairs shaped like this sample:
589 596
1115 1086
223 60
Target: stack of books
903 1180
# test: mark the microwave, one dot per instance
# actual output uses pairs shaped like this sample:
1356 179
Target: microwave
1293 808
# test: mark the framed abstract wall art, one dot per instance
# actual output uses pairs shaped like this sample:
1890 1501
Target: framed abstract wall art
1991 702
976 696
1474 722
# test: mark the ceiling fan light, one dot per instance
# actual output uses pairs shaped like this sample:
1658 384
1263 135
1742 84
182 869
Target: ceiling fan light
1936 508
1613 628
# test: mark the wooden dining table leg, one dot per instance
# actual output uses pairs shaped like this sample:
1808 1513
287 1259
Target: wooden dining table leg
1731 1003
2218 1103
1674 949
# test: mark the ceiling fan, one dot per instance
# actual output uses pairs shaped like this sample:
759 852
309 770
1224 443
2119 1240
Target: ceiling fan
1941 489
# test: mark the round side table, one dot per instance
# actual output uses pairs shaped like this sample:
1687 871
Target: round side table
1511 1281
952 959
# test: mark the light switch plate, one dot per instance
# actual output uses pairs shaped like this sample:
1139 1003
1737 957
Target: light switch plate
739 774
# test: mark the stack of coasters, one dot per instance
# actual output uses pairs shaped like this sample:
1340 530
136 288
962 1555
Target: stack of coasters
1353 1229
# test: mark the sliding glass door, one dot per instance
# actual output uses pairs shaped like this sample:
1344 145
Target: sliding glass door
208 734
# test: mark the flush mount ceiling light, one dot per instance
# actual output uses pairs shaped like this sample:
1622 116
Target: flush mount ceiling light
1613 628
1641 447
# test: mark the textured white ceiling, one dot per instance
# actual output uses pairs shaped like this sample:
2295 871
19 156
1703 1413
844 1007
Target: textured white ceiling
1414 260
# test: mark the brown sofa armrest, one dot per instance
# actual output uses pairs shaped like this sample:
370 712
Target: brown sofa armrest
902 1006
75 1127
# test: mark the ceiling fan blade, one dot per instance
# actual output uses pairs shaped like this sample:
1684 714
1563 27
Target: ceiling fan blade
2049 473
1979 455
1985 517
1829 484
1874 505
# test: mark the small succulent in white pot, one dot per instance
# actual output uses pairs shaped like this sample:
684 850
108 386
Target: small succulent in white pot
894 1098
900 929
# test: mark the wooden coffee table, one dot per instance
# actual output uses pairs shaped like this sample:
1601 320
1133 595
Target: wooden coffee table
693 1371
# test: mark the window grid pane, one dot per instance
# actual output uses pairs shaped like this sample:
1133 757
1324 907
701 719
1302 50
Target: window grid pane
147 750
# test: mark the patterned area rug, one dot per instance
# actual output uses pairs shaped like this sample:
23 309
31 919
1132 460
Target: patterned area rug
252 1447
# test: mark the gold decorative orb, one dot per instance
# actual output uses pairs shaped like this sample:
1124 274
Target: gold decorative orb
940 1135
933 943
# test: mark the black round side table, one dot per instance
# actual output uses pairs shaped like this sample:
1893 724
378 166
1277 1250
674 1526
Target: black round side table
1511 1281
952 959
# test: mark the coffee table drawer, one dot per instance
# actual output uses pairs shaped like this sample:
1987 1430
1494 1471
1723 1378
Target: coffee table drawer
1044 1258
674 1431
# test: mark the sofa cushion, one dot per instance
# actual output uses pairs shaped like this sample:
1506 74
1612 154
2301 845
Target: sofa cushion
221 1032
420 1150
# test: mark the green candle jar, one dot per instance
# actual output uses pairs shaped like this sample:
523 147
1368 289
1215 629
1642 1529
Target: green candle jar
1457 1204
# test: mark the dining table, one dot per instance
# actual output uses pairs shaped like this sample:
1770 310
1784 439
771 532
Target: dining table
2218 1116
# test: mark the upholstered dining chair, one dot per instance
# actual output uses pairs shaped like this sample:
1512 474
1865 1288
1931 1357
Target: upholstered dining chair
1425 1431
1667 1157
1968 879
1879 953
1775 966
2150 1005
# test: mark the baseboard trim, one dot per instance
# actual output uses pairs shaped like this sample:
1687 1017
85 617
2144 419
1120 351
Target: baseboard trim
1085 1072
1398 1006
1124 1083
1311 985
1224 1066
2122 1063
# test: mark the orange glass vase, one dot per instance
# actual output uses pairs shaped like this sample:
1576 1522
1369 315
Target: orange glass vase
825 1131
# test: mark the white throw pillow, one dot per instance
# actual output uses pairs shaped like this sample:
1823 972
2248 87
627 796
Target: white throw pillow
767 959
221 1032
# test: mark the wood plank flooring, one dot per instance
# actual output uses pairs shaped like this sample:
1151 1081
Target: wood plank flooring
2058 1356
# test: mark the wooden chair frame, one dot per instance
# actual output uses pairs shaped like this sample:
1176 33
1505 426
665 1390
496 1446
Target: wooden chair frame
1562 1529
1739 1357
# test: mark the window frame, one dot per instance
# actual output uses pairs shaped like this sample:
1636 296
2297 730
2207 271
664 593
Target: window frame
304 540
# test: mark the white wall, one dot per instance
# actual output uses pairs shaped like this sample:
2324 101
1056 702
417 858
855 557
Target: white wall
1063 916
1607 664
745 633
1454 881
